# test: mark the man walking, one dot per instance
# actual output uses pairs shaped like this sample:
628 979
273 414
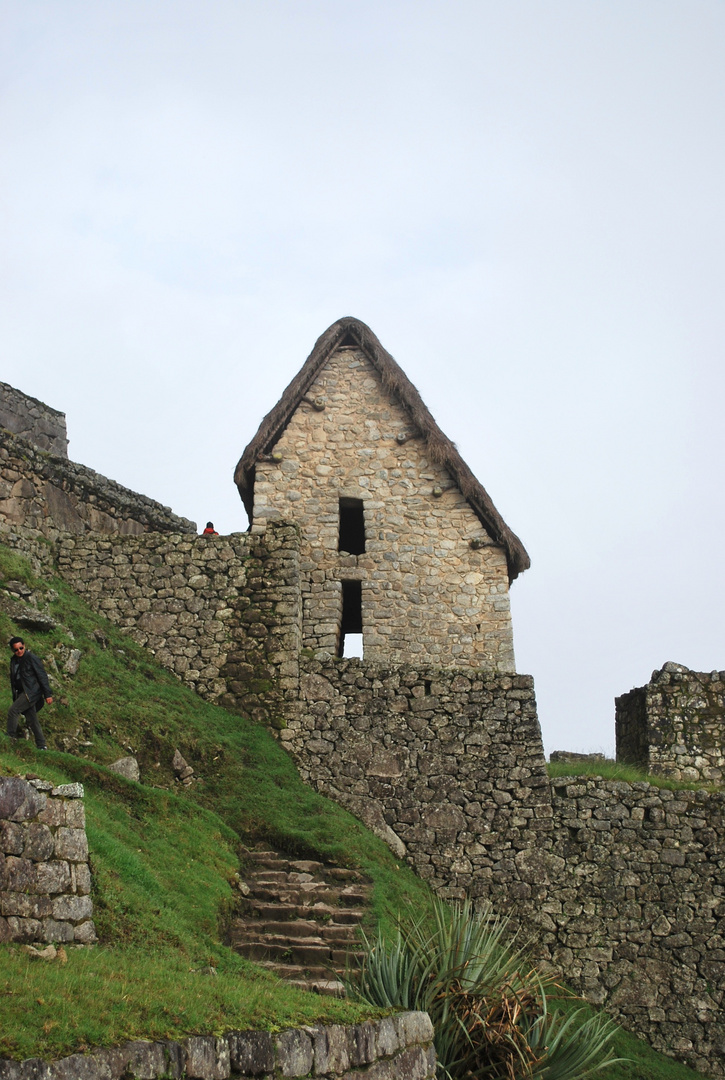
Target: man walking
31 690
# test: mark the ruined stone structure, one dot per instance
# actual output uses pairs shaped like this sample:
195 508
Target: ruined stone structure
45 882
675 725
365 518
399 541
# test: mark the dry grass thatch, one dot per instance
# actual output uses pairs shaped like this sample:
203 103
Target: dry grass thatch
439 448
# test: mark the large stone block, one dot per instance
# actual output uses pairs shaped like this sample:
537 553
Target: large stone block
71 844
19 801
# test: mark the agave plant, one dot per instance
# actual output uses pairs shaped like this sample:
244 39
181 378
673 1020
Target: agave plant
491 1011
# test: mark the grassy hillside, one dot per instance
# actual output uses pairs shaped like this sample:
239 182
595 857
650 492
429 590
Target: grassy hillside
164 857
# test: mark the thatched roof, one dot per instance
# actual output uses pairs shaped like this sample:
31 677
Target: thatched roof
438 448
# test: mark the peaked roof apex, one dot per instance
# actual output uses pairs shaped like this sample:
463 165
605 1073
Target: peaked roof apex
439 448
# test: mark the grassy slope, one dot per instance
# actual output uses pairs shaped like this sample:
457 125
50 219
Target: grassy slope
164 858
615 770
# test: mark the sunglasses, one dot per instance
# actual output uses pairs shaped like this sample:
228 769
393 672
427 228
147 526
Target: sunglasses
18 648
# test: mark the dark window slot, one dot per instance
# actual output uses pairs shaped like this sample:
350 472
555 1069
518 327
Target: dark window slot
352 527
351 622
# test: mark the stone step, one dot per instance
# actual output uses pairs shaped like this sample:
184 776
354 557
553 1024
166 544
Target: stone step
340 916
299 896
307 866
300 919
302 927
295 953
341 873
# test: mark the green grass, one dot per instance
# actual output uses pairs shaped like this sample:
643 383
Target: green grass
615 770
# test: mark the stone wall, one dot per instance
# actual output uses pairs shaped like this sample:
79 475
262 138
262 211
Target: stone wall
222 613
45 882
434 585
52 495
397 1048
448 767
629 902
675 725
33 420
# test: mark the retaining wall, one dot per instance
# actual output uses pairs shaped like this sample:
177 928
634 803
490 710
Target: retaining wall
629 903
45 881
397 1048
447 766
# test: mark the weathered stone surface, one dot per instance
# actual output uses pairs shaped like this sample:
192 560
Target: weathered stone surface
675 725
250 1054
71 844
75 908
207 1058
12 838
33 421
294 1053
69 791
42 898
19 801
51 495
25 905
128 767
39 842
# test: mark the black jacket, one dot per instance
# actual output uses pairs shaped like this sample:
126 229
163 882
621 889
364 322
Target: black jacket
27 675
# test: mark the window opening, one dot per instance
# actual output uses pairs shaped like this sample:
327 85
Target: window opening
351 627
428 685
352 527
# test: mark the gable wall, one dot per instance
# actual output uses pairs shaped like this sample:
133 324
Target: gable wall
426 592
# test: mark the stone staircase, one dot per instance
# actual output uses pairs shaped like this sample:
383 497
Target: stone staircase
299 919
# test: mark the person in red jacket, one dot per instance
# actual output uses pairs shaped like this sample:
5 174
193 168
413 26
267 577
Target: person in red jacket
210 530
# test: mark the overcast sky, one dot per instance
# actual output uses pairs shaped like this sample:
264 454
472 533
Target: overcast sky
524 200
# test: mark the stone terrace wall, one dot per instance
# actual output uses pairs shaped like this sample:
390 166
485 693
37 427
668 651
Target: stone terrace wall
448 767
630 905
33 420
397 1048
222 613
675 725
53 495
45 882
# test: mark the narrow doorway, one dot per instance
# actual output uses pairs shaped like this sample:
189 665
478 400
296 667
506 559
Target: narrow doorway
351 628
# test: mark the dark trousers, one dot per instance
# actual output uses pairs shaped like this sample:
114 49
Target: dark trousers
23 705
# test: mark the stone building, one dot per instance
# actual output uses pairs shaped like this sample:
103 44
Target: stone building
400 543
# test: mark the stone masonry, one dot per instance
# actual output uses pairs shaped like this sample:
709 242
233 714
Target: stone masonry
33 421
446 766
52 495
45 882
396 1048
434 584
222 613
675 725
628 900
